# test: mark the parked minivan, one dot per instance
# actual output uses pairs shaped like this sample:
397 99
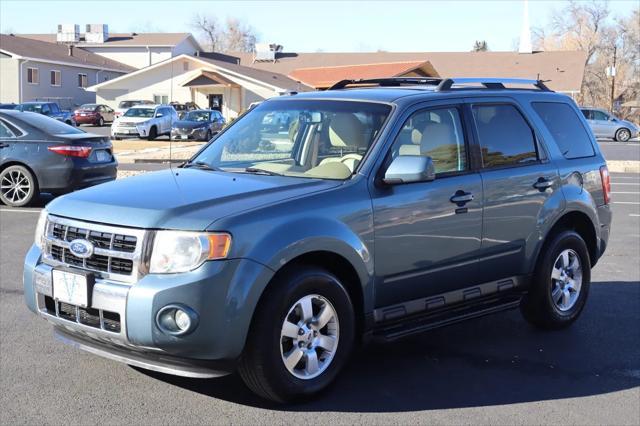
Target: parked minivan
386 208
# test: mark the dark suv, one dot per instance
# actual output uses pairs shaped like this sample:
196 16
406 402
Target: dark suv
385 208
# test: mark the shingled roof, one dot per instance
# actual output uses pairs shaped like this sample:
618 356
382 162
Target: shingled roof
122 39
55 52
563 69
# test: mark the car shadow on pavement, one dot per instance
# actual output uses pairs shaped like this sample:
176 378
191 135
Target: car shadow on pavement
494 360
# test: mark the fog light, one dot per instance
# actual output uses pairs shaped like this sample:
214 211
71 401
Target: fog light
183 322
177 320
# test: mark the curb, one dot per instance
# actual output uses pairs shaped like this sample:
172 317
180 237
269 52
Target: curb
626 166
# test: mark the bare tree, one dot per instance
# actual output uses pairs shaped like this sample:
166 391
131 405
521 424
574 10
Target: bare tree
233 36
208 27
480 46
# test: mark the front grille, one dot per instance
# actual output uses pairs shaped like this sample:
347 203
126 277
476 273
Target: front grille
96 318
114 252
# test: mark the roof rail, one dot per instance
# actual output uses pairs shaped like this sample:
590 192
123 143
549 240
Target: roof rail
489 83
388 82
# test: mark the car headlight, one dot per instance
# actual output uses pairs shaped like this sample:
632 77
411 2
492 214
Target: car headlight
179 251
39 236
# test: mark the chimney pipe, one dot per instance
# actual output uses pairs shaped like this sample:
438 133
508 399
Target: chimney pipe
71 50
525 33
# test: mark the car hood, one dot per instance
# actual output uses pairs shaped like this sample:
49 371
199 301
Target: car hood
186 199
184 124
124 119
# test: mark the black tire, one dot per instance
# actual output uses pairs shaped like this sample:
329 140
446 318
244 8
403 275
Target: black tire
100 122
153 133
69 122
12 198
261 365
538 306
622 135
208 136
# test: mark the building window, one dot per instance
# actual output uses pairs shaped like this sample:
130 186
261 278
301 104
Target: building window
185 66
160 99
32 76
55 78
82 80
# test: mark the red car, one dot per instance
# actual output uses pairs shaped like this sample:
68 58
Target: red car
94 114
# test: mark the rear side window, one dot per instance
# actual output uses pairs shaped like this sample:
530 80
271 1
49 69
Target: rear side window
5 132
566 128
505 137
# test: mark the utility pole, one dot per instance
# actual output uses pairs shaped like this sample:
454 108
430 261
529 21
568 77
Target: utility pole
613 77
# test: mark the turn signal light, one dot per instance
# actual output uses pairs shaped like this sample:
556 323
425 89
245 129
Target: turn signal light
219 245
71 150
606 184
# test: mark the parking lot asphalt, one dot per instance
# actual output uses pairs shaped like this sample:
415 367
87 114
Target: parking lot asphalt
495 370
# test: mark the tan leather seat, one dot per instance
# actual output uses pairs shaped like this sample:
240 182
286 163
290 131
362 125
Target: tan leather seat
346 131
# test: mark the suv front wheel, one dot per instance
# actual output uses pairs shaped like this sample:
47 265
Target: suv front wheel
301 335
560 284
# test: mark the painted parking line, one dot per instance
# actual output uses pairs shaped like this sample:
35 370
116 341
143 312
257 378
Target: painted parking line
20 210
626 183
627 202
625 192
634 215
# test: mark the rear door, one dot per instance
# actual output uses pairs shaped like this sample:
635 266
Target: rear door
425 243
8 140
517 180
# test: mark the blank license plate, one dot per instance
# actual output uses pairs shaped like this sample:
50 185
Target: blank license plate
184 136
71 288
103 156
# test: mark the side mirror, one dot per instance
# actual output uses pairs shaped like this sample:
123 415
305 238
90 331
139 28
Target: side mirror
614 119
408 169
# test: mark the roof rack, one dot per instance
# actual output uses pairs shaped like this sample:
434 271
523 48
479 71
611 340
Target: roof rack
489 83
387 82
441 85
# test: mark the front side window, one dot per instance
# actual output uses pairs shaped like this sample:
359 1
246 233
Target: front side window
32 76
599 115
140 112
56 78
505 137
299 138
436 133
566 128
197 116
54 108
587 114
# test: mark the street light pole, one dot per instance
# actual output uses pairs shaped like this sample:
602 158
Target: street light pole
613 76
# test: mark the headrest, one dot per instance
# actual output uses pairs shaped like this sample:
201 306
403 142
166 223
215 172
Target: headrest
435 135
346 130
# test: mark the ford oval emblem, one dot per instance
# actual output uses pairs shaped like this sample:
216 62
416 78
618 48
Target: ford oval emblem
81 248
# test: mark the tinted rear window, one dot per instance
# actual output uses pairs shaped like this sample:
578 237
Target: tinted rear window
566 128
505 137
48 125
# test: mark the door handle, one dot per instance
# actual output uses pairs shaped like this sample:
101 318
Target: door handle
543 184
461 198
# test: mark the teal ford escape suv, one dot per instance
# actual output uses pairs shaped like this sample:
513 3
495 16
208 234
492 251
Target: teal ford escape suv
383 208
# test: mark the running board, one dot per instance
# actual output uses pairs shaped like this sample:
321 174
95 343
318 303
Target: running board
425 322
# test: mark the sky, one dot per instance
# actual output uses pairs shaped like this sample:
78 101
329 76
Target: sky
308 26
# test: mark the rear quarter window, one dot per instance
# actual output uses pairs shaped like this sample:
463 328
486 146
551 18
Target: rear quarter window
566 128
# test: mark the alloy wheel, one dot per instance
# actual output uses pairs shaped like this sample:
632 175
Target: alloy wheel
309 337
15 186
623 135
566 279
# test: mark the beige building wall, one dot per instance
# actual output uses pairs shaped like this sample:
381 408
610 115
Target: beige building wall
9 74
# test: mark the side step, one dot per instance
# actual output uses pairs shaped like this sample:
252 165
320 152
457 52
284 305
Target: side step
420 323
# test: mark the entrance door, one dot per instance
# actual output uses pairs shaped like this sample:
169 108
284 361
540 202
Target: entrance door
215 102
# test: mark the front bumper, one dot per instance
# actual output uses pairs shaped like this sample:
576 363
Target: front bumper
223 293
189 134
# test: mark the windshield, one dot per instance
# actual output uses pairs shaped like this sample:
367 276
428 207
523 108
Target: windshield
140 112
32 108
197 116
301 138
49 125
88 107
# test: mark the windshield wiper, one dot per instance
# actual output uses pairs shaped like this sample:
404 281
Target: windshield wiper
202 166
262 171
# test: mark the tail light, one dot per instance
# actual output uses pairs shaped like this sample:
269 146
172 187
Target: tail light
71 150
606 183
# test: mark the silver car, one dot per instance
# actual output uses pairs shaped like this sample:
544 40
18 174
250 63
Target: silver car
605 125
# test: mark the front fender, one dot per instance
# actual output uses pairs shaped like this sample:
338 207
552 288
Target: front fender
290 240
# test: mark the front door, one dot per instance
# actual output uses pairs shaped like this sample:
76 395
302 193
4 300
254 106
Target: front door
215 102
517 180
425 242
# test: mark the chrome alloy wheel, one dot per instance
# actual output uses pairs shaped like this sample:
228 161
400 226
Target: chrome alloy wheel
15 186
309 337
566 279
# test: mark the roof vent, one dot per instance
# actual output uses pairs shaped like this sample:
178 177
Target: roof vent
68 33
267 52
96 33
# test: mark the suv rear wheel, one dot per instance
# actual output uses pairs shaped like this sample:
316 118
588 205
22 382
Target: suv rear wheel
561 283
301 336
